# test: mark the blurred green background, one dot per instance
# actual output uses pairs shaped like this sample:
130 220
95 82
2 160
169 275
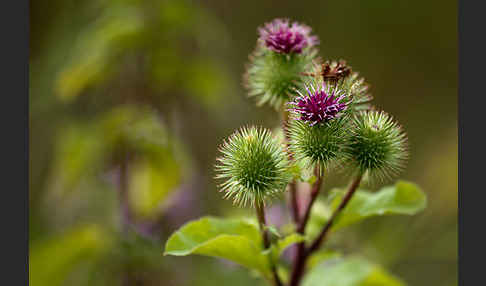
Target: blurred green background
129 100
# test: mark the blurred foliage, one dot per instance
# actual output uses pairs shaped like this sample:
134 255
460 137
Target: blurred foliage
160 79
350 272
141 34
53 259
86 151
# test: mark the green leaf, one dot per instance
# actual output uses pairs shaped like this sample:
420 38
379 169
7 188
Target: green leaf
232 239
322 256
404 198
273 230
350 272
287 241
279 247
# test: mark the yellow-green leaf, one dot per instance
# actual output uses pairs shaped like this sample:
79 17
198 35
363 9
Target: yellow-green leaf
321 256
403 198
232 239
280 245
350 272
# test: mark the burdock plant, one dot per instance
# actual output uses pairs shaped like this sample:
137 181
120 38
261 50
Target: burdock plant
284 52
328 123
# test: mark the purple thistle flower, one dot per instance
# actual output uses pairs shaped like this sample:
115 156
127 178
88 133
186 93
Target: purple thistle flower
318 106
280 37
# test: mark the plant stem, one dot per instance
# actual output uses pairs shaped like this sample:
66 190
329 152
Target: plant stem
300 257
260 211
316 187
320 239
299 267
294 206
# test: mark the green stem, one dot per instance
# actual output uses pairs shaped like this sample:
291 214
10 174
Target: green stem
262 224
316 187
260 211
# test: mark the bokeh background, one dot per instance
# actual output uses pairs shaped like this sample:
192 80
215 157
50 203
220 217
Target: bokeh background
130 99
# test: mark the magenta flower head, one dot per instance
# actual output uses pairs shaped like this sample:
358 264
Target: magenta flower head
284 38
319 105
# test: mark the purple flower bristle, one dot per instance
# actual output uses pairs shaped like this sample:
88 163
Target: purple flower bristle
284 38
318 106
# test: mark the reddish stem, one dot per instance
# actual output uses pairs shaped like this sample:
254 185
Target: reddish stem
316 187
301 258
320 239
301 255
294 206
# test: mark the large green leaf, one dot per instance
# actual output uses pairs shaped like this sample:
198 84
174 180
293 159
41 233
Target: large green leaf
403 198
350 272
232 239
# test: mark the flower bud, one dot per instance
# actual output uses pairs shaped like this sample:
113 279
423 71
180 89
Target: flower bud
254 166
377 146
317 131
283 53
281 37
319 104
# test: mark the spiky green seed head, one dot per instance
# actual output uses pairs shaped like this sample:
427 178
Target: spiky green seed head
254 166
377 146
320 144
271 77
